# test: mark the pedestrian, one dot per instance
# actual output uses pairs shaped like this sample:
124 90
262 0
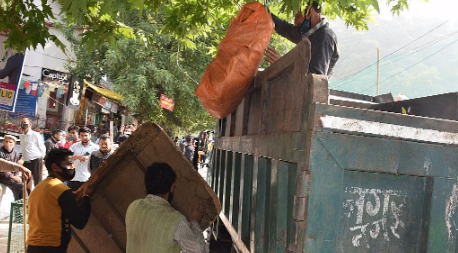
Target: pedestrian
182 144
153 226
195 154
63 141
82 151
33 151
99 156
53 142
72 136
311 25
189 148
53 208
11 179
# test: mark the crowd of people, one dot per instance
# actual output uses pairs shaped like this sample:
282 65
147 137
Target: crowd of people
91 147
195 149
70 158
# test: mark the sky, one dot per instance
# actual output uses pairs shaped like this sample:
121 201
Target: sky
431 8
434 17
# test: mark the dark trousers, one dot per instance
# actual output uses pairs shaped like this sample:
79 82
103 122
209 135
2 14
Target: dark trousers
36 167
16 188
74 185
45 249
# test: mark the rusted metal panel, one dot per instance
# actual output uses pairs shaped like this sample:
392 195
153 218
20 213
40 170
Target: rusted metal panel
443 106
120 180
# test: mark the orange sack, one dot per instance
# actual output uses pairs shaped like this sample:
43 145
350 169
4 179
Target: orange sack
228 77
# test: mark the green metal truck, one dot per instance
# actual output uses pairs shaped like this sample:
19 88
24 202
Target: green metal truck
297 170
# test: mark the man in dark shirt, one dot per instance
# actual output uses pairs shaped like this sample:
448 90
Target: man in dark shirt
189 148
52 142
99 156
12 68
313 26
53 208
11 179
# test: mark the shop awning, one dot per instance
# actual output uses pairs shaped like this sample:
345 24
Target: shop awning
106 93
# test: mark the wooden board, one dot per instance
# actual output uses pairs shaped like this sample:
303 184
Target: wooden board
120 180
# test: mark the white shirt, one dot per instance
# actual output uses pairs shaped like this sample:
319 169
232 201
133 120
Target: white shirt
32 146
188 235
82 173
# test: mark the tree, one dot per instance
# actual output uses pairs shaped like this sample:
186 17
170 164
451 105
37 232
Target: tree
185 19
141 73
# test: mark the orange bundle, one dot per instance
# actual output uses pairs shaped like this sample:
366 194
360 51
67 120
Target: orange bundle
229 75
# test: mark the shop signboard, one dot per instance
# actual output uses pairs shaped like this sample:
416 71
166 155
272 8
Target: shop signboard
167 103
98 99
74 93
26 104
54 77
7 96
114 107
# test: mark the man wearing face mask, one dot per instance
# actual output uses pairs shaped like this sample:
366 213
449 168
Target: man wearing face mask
53 208
83 151
99 156
33 151
153 226
311 25
72 136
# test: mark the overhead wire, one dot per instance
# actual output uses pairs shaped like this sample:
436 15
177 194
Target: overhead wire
413 65
344 80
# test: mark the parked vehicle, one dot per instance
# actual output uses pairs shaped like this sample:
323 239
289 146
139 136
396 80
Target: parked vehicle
299 170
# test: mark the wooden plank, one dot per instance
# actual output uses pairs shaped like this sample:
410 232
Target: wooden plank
254 100
240 120
265 145
245 198
261 205
108 217
76 245
96 238
271 207
254 203
241 247
222 174
227 182
217 170
120 180
283 208
234 206
292 187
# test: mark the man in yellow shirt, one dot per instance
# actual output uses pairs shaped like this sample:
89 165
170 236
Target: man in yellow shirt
53 208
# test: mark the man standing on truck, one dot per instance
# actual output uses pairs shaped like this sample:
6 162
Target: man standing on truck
53 208
313 26
153 226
